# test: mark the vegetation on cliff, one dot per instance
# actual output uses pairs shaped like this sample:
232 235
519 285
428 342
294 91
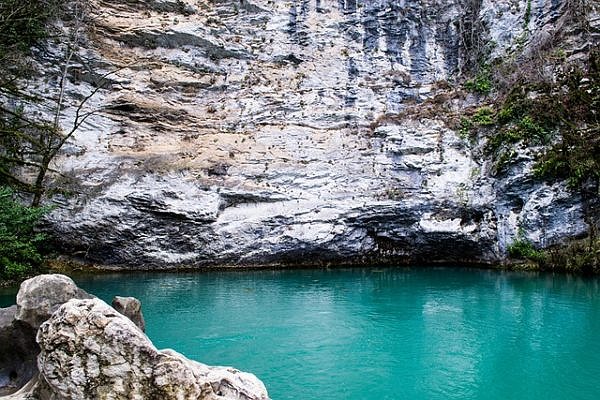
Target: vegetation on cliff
20 243
544 99
534 101
23 136
30 140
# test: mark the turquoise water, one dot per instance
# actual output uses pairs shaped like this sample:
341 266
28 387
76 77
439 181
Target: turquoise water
429 333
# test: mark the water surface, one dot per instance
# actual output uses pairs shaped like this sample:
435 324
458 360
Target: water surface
429 333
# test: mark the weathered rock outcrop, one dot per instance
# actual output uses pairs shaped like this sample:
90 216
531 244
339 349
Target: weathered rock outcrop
38 298
87 351
273 132
18 351
131 308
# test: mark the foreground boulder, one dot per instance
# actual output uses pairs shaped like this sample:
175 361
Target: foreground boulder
18 351
86 349
39 297
90 351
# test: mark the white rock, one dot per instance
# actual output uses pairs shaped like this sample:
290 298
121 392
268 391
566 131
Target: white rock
259 129
40 296
125 365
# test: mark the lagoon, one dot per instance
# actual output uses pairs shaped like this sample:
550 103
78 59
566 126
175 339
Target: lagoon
378 333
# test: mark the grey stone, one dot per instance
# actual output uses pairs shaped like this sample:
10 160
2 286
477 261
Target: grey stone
37 299
18 351
300 132
40 296
89 351
131 308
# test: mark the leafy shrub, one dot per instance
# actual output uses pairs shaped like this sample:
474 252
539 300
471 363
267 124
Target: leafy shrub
466 129
24 22
482 82
563 113
19 242
485 116
522 248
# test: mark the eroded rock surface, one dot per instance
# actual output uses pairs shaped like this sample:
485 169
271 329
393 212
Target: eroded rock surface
38 298
89 351
131 308
274 132
18 351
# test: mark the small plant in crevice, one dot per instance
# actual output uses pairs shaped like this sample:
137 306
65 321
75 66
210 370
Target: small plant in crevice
465 129
522 248
481 83
485 116
527 18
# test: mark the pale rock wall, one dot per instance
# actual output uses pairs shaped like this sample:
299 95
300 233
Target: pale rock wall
275 132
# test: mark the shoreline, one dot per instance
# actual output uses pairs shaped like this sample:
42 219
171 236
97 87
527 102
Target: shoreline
73 268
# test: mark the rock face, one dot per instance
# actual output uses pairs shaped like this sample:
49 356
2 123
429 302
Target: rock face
38 298
18 351
272 132
87 351
131 308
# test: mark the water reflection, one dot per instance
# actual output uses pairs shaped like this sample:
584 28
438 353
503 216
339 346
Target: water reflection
382 333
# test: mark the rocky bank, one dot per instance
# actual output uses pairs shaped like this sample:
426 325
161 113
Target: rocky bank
237 132
60 343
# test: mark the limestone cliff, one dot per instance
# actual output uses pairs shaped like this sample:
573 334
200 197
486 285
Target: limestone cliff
237 132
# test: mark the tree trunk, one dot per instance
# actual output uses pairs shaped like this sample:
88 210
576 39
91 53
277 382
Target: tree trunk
38 187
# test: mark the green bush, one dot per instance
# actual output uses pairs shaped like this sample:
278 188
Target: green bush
522 248
465 128
482 82
561 115
533 130
24 22
19 242
485 116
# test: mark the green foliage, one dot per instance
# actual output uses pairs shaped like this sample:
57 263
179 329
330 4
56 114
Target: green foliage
529 127
523 249
465 129
482 82
564 113
19 242
23 23
527 14
574 109
504 158
516 125
482 117
580 256
485 116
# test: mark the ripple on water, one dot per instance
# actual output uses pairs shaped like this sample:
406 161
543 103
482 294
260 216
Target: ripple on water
380 333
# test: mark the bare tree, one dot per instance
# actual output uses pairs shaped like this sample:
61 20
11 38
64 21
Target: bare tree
29 144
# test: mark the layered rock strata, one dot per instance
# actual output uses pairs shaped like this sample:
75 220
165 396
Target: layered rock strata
288 132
